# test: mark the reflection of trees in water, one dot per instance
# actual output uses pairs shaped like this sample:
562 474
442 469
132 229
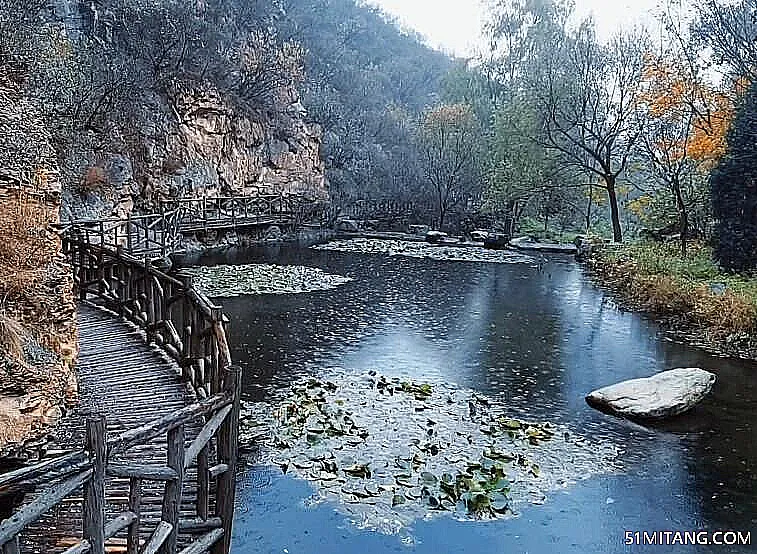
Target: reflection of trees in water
721 440
540 340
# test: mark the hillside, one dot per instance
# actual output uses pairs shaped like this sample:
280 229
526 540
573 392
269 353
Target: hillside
366 83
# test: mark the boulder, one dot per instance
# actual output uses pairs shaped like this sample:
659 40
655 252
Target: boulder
666 394
435 237
347 226
496 241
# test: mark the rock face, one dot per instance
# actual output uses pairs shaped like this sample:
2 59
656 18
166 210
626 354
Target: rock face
186 138
215 151
666 394
37 323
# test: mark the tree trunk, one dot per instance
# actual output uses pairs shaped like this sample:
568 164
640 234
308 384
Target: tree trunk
617 232
683 216
588 210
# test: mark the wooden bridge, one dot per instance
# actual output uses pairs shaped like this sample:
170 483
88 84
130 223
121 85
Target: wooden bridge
159 234
146 463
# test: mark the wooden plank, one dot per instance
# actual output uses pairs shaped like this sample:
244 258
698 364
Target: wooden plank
205 543
60 466
34 509
198 525
206 434
218 469
12 546
173 490
82 548
144 472
94 489
120 522
159 536
168 422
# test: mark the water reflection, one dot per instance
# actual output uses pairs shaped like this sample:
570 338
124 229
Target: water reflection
538 338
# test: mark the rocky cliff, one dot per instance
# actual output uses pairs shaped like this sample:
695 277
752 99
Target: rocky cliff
187 137
37 320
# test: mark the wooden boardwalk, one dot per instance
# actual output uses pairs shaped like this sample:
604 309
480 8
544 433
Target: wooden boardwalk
146 462
128 382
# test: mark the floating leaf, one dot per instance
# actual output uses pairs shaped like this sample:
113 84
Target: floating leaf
510 423
428 478
404 480
358 470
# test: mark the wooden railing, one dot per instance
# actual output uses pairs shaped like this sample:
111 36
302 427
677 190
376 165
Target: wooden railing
190 329
179 319
151 234
160 234
88 468
208 213
388 208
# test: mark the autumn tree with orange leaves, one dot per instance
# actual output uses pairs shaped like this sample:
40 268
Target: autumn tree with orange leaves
685 122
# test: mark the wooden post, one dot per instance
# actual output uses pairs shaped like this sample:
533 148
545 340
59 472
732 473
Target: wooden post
216 369
203 484
94 489
12 547
228 444
149 307
172 494
123 287
82 270
128 233
186 322
135 501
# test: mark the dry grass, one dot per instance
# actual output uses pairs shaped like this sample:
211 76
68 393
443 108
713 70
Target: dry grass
11 338
656 279
25 248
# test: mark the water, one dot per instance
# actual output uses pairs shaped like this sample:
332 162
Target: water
536 338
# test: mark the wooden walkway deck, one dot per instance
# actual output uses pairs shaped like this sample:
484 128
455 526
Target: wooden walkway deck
130 383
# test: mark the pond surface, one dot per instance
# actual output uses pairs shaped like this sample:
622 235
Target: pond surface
535 336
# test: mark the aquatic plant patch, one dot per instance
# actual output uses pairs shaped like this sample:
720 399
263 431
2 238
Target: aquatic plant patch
387 452
425 250
236 280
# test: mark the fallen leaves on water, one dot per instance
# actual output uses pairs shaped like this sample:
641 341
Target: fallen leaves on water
236 280
363 443
425 250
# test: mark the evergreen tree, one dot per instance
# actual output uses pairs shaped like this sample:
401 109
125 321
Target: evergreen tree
734 192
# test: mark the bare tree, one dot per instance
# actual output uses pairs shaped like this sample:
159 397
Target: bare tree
588 100
449 137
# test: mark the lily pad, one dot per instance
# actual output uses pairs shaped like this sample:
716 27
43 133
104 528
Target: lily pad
428 478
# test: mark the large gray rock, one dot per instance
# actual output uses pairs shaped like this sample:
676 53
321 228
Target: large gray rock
666 394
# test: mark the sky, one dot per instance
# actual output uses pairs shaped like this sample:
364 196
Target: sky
455 25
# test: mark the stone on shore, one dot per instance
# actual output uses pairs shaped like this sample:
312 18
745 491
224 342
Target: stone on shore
435 236
663 395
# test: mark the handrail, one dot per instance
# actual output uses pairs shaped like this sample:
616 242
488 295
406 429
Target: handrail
172 313
160 233
189 328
